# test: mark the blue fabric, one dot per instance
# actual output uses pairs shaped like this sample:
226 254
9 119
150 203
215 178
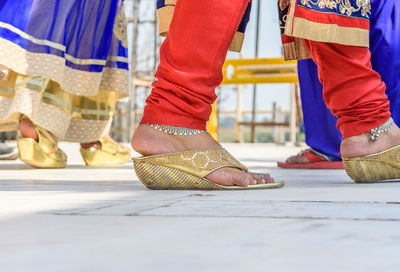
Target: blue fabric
349 8
245 20
243 24
320 125
160 4
83 29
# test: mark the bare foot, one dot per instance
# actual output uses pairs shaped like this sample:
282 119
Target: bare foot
361 145
27 129
298 158
98 144
149 141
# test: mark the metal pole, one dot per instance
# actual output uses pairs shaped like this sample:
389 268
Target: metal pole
133 67
238 127
253 114
155 40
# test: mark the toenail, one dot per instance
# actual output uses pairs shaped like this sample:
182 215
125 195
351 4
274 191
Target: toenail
244 180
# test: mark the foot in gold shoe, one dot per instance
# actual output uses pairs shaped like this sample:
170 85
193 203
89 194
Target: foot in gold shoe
107 152
158 145
43 153
384 162
383 166
188 170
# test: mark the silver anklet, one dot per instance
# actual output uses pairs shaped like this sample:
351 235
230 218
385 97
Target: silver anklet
176 130
376 132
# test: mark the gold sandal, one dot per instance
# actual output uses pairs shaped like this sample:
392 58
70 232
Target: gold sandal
187 170
43 153
383 166
110 153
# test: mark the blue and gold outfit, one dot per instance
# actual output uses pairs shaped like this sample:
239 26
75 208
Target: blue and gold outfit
63 64
321 132
343 22
165 12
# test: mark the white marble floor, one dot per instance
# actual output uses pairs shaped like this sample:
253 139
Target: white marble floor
103 219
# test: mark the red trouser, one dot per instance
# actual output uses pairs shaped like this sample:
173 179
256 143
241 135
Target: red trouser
191 60
352 90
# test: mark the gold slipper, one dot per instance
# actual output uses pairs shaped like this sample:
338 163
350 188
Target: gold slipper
187 170
383 166
110 153
41 154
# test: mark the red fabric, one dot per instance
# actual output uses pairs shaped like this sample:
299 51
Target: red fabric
312 165
312 157
191 60
330 18
352 90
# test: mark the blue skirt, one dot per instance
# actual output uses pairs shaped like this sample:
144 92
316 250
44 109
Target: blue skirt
320 125
80 44
63 64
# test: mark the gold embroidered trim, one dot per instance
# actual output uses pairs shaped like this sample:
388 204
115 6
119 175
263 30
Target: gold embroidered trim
31 38
296 50
53 119
28 102
237 42
53 45
120 27
84 61
345 7
99 107
289 17
86 131
166 13
119 59
330 33
53 67
170 2
116 80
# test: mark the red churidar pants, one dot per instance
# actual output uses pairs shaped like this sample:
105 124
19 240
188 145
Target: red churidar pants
191 60
352 90
192 56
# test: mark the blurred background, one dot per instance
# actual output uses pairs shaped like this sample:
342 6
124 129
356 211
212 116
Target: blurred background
244 112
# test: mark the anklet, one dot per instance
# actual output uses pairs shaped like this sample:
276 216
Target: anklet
177 130
382 128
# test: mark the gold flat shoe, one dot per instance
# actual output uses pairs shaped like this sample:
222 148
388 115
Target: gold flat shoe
383 166
187 170
110 153
42 154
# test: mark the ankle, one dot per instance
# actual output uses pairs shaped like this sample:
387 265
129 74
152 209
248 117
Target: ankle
149 141
27 129
354 146
96 145
361 145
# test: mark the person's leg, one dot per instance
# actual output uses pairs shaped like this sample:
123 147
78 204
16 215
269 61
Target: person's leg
356 95
321 133
98 149
385 49
320 124
190 69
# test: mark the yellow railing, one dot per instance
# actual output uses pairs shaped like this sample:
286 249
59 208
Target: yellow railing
258 71
261 71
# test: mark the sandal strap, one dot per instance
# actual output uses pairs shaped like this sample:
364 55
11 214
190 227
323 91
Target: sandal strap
199 163
313 156
108 146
